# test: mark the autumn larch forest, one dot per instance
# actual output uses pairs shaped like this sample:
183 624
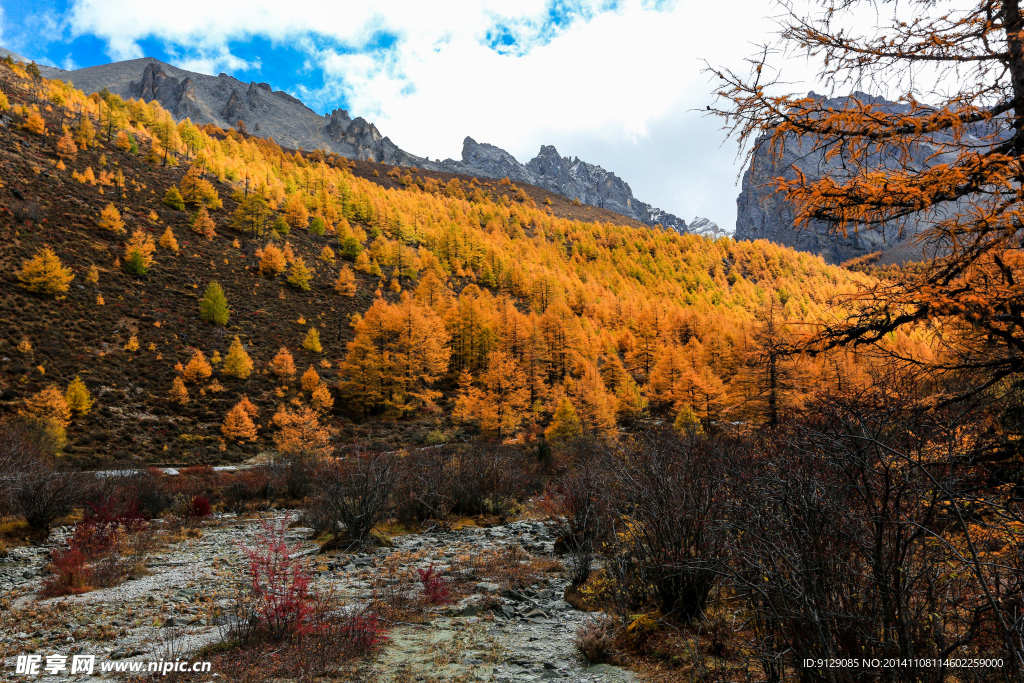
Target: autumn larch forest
755 462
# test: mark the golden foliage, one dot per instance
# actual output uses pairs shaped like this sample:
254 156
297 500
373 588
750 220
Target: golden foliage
198 368
237 425
312 341
43 273
300 434
346 282
78 397
310 380
321 400
272 261
284 363
299 274
203 225
179 393
167 240
110 219
237 363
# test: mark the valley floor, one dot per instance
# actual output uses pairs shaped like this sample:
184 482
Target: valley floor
179 606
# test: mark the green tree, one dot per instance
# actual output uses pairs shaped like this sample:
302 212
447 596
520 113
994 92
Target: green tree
213 307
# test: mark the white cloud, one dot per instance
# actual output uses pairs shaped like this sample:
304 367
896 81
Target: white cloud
615 88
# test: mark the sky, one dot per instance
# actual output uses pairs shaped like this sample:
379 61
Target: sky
618 83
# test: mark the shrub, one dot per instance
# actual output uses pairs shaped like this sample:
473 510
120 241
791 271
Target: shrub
213 307
356 492
594 639
200 507
435 588
280 597
487 478
45 492
44 273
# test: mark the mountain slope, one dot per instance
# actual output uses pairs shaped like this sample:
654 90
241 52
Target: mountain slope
610 318
224 101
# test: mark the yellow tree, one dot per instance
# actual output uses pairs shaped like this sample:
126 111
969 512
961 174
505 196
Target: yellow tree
237 363
504 403
397 354
346 282
272 261
78 397
312 341
179 392
300 434
237 425
43 273
203 225
198 368
296 213
284 363
110 219
138 253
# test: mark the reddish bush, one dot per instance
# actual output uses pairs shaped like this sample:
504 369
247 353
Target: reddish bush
280 600
200 507
362 632
435 588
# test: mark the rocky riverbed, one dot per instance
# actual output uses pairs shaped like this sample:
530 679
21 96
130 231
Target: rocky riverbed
182 601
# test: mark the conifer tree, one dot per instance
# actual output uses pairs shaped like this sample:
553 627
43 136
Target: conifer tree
310 380
86 136
203 225
237 363
284 363
299 274
565 423
167 240
688 422
249 407
272 261
92 277
110 219
321 399
179 393
66 146
346 282
213 307
300 434
296 213
172 197
43 273
50 408
237 425
312 341
198 368
78 397
138 256
327 255
35 124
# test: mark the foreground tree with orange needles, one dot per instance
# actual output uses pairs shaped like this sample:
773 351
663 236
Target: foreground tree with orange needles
966 198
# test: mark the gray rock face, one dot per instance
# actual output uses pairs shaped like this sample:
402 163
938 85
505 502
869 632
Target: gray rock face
224 101
761 214
571 178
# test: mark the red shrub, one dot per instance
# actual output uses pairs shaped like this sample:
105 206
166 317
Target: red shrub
435 588
281 599
363 632
200 507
